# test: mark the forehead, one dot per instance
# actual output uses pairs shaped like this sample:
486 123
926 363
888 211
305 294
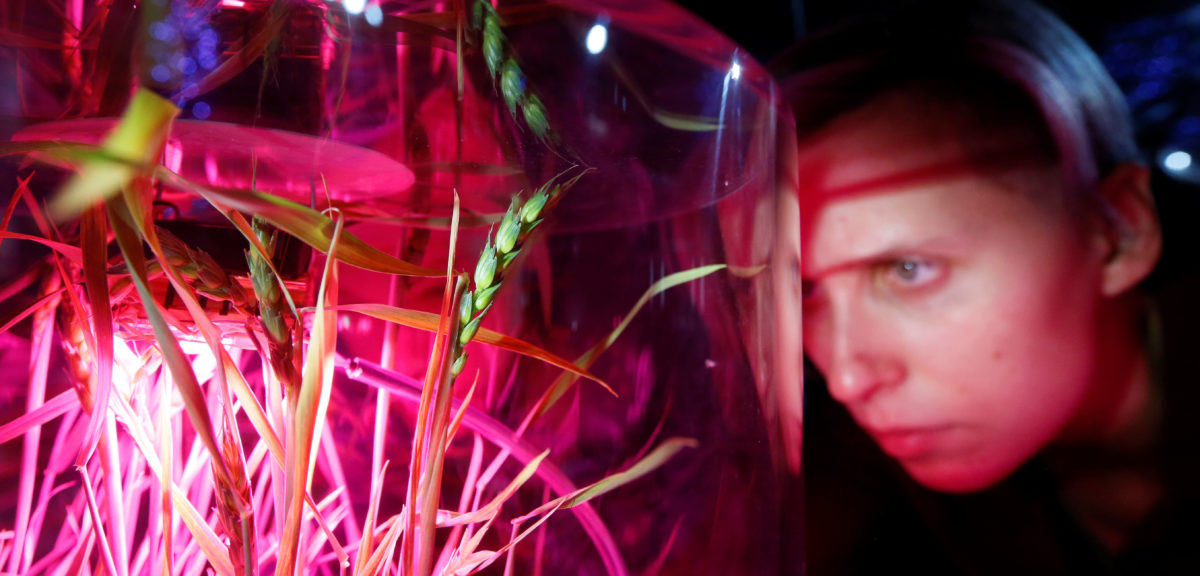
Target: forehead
910 136
907 169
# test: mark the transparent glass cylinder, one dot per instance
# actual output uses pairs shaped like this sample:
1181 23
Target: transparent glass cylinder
662 135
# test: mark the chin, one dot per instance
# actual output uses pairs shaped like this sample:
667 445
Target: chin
957 478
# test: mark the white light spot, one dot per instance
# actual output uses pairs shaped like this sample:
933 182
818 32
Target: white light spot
204 364
374 15
355 6
125 364
597 38
1177 161
735 71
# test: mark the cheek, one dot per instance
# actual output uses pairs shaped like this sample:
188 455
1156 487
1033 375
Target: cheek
1007 404
1023 323
1016 381
1049 367
1014 361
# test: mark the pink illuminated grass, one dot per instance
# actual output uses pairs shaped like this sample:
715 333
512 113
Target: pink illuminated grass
169 445
180 440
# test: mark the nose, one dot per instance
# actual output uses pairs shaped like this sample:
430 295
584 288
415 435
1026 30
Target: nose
864 355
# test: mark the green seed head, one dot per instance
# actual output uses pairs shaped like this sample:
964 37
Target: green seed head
263 231
465 309
510 229
457 368
535 116
512 85
264 283
507 259
493 45
485 269
487 8
177 253
208 271
468 331
533 208
483 298
476 15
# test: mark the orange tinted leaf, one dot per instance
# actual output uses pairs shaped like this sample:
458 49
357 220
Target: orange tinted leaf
490 509
366 546
93 238
308 225
60 150
429 322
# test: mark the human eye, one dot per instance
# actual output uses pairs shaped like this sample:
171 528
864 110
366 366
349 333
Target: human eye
911 272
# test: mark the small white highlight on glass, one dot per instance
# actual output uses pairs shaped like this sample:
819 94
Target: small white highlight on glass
374 15
1177 161
597 38
355 6
233 3
735 71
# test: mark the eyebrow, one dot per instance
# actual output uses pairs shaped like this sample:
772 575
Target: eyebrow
940 243
815 174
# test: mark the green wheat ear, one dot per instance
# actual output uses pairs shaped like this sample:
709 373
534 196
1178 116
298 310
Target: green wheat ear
520 220
493 45
203 273
535 117
523 215
274 316
512 85
506 73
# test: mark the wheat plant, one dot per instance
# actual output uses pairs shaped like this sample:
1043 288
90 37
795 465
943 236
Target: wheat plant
194 438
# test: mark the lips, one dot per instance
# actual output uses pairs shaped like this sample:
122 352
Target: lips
910 443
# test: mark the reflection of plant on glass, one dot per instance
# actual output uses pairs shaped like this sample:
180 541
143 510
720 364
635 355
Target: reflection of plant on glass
189 455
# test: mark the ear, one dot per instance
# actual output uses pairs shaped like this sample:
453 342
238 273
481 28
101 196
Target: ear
1133 233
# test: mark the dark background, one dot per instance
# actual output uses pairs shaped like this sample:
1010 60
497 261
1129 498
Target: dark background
1151 47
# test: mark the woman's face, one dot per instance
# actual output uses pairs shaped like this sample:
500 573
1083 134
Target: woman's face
953 314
